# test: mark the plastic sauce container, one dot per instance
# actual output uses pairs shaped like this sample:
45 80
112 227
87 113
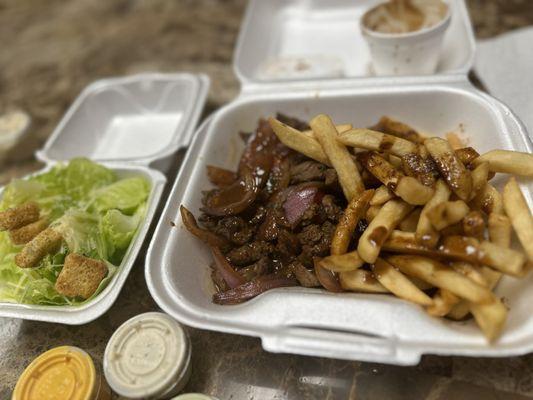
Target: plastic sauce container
193 396
148 357
410 53
62 373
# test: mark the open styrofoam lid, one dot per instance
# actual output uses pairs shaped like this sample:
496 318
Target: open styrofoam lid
284 40
139 118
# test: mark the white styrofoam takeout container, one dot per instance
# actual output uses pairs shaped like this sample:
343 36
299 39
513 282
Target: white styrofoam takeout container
130 125
305 39
353 326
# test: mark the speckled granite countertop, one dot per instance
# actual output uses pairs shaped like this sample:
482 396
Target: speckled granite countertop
51 49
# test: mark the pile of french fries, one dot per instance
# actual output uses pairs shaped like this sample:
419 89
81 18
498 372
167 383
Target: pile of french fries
439 234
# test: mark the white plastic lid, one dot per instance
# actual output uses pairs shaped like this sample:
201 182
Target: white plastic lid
193 396
146 355
134 119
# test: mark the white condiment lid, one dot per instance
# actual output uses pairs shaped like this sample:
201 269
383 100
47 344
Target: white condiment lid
13 125
146 355
193 396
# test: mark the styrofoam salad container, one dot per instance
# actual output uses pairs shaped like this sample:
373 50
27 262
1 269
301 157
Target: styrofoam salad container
130 125
355 326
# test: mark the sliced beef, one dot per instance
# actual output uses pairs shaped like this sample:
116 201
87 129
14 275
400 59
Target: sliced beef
308 171
235 229
257 269
304 276
293 122
315 241
249 253
331 209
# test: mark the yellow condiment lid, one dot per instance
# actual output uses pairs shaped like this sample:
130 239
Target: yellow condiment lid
64 372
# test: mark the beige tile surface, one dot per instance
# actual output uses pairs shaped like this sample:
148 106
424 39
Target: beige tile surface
51 49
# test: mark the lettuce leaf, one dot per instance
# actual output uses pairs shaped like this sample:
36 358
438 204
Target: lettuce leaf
96 213
118 230
125 195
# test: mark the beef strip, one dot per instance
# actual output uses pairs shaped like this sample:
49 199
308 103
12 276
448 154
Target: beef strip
235 229
293 122
308 171
316 241
257 269
249 253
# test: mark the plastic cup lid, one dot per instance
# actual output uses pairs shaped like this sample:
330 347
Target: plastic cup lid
193 396
145 355
64 372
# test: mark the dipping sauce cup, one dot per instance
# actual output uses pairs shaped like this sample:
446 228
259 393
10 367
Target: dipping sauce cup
64 372
408 53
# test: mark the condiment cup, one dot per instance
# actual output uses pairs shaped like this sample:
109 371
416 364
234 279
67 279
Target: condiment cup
411 53
148 357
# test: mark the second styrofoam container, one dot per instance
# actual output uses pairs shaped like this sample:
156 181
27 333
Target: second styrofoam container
355 326
130 125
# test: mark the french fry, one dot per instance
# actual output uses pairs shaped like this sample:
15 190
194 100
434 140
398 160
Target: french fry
488 200
447 213
349 177
451 168
459 311
299 142
371 213
412 191
381 196
453 230
377 141
395 161
342 262
379 229
398 283
443 302
344 230
480 177
406 243
500 229
361 280
469 271
442 277
509 162
490 317
491 279
423 151
423 169
474 224
466 155
397 128
410 222
425 233
455 141
340 128
406 187
469 249
518 211
419 283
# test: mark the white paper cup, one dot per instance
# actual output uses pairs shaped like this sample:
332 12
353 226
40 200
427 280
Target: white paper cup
412 53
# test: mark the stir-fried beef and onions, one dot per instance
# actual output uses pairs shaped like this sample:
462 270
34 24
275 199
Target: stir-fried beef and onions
266 223
375 210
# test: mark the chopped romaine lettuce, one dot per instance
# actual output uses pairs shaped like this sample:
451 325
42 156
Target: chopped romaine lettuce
124 195
97 214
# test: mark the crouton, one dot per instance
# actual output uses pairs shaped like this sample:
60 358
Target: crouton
16 217
35 250
26 233
80 276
